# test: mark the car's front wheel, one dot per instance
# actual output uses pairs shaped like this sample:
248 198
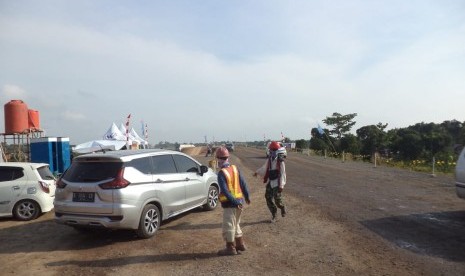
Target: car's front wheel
26 210
149 221
212 198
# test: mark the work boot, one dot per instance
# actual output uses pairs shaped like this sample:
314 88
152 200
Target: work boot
229 250
273 218
283 211
240 245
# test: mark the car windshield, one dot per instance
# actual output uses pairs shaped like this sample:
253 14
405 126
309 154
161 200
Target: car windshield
92 171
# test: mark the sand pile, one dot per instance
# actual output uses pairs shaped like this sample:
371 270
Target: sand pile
196 151
193 151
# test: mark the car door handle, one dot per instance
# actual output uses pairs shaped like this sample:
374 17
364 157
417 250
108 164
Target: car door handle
158 181
187 179
16 188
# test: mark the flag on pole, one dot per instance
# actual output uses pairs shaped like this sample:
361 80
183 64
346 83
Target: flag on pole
127 130
282 136
320 130
146 132
142 130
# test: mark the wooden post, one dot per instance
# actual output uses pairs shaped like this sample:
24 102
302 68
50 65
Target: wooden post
434 163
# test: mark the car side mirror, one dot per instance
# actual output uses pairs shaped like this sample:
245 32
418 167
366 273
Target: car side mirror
203 169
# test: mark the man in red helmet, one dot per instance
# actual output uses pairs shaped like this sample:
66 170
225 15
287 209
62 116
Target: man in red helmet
274 175
233 194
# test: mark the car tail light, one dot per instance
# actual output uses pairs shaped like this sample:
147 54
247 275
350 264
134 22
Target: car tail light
44 186
60 184
118 183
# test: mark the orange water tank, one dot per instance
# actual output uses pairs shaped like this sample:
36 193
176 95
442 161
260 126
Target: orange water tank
16 117
34 119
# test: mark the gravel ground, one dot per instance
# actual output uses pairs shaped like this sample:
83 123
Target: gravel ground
343 219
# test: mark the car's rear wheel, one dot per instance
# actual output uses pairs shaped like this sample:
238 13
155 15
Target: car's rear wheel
212 198
26 210
149 221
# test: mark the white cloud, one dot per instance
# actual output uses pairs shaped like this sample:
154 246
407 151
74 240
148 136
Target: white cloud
13 92
73 116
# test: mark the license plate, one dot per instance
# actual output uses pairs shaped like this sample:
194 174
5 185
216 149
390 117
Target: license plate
83 197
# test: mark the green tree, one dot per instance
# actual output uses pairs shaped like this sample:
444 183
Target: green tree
317 143
321 141
372 138
302 144
455 129
461 138
341 123
408 144
350 143
435 138
439 141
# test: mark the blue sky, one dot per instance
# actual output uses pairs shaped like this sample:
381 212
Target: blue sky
231 70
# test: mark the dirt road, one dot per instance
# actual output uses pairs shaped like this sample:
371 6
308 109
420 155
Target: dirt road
344 219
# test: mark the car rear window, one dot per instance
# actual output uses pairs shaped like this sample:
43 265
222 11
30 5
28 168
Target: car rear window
92 171
45 173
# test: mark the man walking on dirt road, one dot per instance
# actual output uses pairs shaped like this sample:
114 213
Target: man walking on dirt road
274 175
233 193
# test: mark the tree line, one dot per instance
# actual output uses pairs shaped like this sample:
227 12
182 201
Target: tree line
421 141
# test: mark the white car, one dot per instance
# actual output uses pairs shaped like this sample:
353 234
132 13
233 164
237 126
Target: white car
282 149
26 190
460 175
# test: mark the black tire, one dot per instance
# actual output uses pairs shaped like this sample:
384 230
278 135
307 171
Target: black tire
149 221
212 198
26 210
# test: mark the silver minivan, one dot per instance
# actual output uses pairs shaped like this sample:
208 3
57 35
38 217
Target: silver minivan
132 189
460 175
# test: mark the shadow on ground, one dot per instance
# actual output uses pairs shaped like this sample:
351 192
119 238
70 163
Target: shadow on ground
123 261
439 234
45 235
